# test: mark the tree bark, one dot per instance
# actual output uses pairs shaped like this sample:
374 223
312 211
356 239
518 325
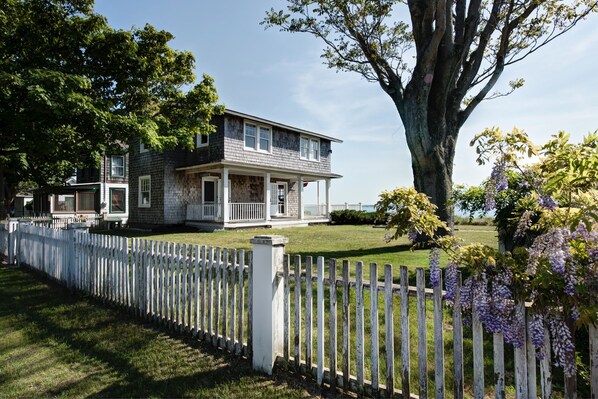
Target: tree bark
431 137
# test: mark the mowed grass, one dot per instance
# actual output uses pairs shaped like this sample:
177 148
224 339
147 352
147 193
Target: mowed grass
55 344
353 243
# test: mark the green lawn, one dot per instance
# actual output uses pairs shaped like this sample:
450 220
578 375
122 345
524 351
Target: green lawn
364 243
54 344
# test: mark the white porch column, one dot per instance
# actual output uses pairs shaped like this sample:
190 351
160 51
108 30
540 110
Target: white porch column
301 206
267 287
224 198
267 196
327 197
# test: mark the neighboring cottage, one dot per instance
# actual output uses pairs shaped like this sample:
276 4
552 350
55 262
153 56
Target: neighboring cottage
96 191
250 172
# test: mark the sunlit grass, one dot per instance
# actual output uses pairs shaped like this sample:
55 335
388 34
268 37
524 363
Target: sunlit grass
55 344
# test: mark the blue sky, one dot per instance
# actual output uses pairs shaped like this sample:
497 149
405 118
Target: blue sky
281 77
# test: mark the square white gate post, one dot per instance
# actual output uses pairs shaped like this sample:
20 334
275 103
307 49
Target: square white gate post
267 289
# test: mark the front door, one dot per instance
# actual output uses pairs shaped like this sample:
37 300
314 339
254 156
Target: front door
209 198
278 199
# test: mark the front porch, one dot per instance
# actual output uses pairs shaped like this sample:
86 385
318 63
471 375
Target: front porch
232 197
243 215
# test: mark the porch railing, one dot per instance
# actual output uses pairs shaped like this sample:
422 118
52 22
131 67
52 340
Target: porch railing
247 211
239 211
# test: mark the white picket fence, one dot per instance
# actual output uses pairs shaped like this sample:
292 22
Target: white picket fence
374 315
190 288
342 331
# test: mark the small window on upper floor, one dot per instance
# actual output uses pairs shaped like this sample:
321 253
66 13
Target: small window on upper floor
309 149
201 140
117 166
258 137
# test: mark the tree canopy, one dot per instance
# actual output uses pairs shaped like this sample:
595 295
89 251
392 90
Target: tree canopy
437 60
72 88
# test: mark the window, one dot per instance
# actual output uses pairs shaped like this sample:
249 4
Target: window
258 138
309 149
64 202
201 140
142 148
117 166
145 191
86 202
117 200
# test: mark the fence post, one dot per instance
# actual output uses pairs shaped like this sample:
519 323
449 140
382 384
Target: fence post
13 225
17 247
73 258
267 289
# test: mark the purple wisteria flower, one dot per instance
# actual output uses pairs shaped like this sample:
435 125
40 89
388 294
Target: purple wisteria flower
514 332
498 182
525 222
562 345
536 332
451 283
547 202
434 267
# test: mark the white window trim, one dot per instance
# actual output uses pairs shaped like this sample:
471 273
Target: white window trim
139 204
124 166
257 137
142 148
198 143
309 149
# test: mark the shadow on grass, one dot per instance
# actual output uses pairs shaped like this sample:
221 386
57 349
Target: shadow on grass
141 359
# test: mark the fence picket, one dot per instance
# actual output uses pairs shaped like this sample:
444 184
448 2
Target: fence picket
422 352
308 313
217 270
233 299
390 336
520 362
286 309
458 386
240 304
478 357
531 363
546 372
210 320
297 315
225 261
320 322
375 346
438 340
359 324
346 318
499 366
405 347
332 322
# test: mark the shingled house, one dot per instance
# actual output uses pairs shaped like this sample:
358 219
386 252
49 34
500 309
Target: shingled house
250 172
95 191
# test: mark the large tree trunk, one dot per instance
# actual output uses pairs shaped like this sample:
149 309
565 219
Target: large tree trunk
431 139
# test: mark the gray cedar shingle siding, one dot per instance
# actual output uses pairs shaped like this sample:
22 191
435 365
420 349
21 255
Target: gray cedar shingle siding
285 149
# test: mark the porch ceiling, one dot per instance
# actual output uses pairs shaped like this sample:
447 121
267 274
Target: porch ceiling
253 170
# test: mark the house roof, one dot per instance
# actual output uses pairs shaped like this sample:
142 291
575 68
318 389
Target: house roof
281 125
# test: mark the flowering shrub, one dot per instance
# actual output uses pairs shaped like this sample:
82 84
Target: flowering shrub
549 211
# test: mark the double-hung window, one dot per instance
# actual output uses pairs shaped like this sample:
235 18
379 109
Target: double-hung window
117 166
145 191
258 138
309 149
